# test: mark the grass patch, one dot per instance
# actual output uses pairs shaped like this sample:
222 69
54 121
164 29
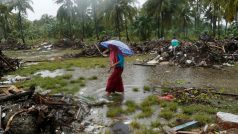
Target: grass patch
114 112
166 114
183 116
192 109
93 78
144 130
203 118
81 78
65 64
67 76
135 125
165 89
146 88
135 89
155 124
146 112
131 107
149 101
82 84
180 82
69 69
169 105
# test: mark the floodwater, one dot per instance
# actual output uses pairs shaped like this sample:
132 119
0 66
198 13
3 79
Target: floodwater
135 76
139 76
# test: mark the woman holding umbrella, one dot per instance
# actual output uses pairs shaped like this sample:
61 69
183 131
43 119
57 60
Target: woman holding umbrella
117 51
114 83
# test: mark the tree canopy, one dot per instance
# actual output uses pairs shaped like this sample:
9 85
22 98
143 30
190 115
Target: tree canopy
90 19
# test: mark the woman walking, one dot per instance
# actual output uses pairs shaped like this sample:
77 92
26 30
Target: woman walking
114 83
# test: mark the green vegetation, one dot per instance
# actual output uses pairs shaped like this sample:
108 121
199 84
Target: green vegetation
93 78
155 124
135 89
149 101
166 114
145 112
204 118
195 108
119 18
135 125
114 112
81 62
131 107
146 88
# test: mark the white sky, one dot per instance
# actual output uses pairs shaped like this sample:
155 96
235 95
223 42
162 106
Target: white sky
48 7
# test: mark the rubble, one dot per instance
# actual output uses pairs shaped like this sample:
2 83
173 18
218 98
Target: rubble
29 112
227 120
198 53
7 64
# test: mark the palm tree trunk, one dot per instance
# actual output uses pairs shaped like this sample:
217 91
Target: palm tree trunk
70 28
162 25
226 28
21 27
95 21
118 24
83 30
127 35
158 27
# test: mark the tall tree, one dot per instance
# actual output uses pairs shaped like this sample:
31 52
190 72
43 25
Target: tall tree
21 6
116 11
65 13
82 11
129 12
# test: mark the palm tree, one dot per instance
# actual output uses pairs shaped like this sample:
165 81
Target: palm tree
82 13
65 13
128 12
4 13
142 27
162 11
154 9
184 16
118 10
95 11
21 6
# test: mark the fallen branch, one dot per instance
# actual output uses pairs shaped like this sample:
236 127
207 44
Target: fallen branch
17 96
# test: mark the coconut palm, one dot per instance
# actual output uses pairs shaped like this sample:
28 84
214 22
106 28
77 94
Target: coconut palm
116 11
4 13
82 14
65 13
21 6
129 11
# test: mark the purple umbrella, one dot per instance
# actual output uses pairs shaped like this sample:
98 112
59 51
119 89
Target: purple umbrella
122 46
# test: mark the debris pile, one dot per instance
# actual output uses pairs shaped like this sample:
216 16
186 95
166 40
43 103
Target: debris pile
13 44
29 112
7 64
191 95
68 43
199 53
87 51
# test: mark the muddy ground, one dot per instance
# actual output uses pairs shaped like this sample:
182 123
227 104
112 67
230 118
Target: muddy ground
134 77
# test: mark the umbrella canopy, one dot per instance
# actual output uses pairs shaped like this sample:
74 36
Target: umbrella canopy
122 46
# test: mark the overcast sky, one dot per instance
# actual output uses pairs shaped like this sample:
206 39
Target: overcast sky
49 7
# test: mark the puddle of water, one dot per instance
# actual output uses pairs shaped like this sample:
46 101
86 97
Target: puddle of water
138 76
52 74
